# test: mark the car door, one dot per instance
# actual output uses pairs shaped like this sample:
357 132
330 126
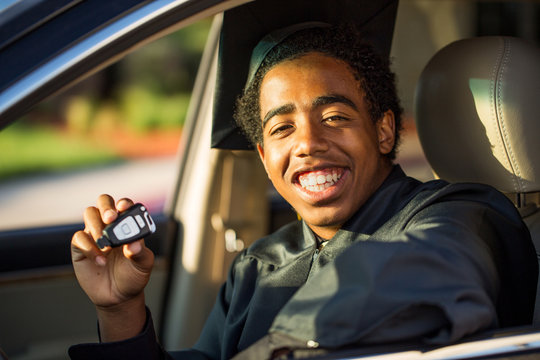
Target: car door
48 45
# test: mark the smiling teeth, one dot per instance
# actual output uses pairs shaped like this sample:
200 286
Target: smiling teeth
318 182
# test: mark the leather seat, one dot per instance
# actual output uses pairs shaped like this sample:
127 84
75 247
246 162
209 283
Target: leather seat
477 110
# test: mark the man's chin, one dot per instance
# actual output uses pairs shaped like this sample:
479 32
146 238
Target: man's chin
324 222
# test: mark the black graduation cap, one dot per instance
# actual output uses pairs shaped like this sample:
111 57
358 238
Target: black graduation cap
244 26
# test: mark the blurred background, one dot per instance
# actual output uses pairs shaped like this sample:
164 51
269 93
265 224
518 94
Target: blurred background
117 132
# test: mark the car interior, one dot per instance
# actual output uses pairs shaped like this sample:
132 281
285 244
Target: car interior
483 92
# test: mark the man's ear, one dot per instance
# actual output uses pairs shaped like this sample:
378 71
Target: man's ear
260 150
386 132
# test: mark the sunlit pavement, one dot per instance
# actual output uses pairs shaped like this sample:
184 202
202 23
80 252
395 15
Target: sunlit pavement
61 198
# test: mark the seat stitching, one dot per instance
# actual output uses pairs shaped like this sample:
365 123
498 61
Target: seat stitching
502 120
495 106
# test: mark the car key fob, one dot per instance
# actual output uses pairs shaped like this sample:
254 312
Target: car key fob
131 225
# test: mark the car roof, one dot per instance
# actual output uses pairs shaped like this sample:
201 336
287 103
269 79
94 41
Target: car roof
66 41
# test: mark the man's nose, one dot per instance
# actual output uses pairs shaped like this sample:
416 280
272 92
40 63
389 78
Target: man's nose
310 139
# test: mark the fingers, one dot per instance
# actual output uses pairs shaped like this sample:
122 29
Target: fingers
124 204
140 255
93 222
83 247
107 210
95 219
133 249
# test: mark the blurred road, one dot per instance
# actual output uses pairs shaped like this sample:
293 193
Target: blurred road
61 198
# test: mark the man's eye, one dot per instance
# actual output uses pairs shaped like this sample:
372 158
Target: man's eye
334 118
280 129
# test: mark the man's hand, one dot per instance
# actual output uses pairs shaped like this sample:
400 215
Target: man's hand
113 278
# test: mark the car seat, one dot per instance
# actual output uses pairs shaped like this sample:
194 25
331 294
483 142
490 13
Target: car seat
477 111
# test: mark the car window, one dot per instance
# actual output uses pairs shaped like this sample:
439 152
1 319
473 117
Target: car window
117 131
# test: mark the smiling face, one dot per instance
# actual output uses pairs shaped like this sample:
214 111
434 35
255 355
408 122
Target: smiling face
321 149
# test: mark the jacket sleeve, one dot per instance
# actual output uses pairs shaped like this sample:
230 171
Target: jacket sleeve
143 346
146 346
434 278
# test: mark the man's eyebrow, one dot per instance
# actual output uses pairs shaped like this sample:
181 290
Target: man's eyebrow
319 101
281 110
332 99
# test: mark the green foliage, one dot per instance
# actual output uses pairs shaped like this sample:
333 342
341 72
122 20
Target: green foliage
145 110
79 113
165 66
34 149
148 90
193 37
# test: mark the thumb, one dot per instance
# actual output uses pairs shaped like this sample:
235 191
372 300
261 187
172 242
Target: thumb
140 255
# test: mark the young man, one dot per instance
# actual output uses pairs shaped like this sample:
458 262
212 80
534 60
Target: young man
377 257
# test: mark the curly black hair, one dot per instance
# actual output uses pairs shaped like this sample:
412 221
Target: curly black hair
341 42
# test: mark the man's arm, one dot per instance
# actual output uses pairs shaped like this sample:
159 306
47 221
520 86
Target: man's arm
142 346
113 278
434 280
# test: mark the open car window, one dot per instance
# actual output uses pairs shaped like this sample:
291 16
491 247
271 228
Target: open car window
117 131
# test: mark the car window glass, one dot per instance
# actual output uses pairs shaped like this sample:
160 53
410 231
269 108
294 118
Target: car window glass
117 132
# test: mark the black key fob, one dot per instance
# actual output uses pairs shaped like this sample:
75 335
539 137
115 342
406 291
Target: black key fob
133 224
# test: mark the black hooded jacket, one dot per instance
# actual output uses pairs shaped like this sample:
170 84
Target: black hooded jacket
430 262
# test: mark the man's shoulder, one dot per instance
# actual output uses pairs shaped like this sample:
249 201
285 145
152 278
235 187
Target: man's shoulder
455 200
439 191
